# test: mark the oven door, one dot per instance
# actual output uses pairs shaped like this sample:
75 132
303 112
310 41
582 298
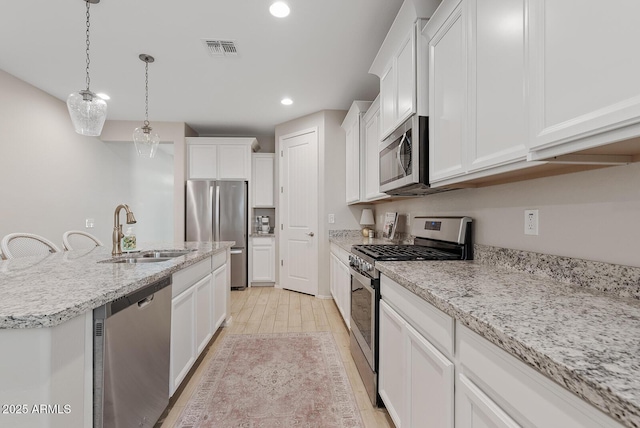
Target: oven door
363 315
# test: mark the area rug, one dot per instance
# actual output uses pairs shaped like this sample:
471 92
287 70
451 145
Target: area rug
274 380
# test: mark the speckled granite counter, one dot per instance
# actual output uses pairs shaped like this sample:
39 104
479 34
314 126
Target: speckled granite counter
46 291
531 306
587 341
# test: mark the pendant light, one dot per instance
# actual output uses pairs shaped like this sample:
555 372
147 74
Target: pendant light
145 141
88 111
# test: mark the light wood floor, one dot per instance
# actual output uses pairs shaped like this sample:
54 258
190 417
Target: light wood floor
273 310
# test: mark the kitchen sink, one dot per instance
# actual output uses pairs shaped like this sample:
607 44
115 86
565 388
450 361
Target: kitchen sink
151 256
141 260
164 254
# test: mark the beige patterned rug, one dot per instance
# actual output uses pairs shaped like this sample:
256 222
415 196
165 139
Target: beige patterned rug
274 380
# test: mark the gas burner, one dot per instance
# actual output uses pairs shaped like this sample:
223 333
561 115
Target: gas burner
404 252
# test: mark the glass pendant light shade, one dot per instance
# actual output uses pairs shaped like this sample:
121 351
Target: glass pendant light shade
88 112
146 141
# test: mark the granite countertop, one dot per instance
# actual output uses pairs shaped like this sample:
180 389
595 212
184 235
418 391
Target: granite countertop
585 340
44 291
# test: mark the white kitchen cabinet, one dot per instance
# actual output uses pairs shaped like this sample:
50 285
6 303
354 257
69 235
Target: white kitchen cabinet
477 87
183 337
221 294
262 183
416 380
398 85
352 125
199 305
497 70
448 97
203 294
220 158
392 370
584 87
370 155
340 282
475 409
263 259
498 390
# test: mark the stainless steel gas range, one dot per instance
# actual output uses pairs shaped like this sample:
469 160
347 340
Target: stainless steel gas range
436 238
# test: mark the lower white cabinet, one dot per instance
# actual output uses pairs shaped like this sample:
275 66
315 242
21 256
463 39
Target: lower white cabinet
497 388
340 282
263 259
221 294
183 337
419 366
475 409
199 305
415 379
203 293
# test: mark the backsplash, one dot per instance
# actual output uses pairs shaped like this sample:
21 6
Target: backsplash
345 233
623 281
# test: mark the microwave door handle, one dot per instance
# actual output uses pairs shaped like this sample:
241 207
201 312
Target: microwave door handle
402 140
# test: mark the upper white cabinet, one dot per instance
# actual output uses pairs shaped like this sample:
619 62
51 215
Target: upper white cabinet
220 158
398 84
263 180
448 96
370 154
585 90
398 64
477 88
352 126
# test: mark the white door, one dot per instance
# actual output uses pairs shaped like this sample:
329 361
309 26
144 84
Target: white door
299 212
392 370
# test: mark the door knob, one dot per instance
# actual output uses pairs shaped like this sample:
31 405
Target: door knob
310 234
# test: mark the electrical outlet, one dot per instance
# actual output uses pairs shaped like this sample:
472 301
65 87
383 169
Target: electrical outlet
332 218
89 223
531 222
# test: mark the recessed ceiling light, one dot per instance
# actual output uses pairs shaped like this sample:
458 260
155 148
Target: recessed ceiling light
287 101
279 9
104 96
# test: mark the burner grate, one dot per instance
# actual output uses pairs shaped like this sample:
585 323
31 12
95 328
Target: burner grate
405 252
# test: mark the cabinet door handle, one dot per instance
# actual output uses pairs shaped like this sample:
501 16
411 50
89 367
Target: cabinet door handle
311 234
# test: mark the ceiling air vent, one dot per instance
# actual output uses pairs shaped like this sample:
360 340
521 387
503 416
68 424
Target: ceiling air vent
221 47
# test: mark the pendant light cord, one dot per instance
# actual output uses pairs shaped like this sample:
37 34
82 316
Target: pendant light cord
146 89
88 60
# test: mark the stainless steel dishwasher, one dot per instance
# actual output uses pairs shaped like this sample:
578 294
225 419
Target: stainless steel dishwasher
131 343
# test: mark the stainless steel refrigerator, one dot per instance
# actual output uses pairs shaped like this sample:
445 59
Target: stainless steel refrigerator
217 211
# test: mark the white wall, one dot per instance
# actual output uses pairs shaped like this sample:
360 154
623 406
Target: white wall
52 179
590 215
150 185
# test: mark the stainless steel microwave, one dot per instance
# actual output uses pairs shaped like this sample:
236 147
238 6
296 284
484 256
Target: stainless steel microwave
404 159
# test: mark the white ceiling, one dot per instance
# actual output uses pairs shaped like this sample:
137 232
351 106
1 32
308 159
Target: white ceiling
319 56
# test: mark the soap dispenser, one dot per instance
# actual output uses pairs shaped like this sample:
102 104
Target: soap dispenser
129 240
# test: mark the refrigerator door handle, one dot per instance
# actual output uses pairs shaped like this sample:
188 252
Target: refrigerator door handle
211 214
217 225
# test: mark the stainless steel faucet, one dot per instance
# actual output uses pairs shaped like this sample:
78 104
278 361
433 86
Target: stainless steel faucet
117 228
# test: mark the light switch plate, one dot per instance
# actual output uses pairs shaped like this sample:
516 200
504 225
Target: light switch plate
89 223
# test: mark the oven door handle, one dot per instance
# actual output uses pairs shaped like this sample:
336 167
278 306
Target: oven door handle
362 279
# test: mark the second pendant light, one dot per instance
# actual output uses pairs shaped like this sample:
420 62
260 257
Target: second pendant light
145 141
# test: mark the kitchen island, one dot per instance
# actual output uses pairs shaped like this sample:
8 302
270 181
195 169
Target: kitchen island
581 338
46 323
